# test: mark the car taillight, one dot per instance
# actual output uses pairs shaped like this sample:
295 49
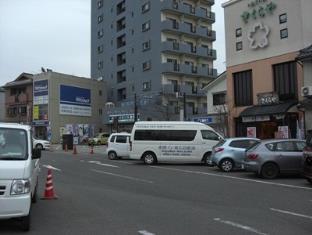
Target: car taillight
218 149
252 156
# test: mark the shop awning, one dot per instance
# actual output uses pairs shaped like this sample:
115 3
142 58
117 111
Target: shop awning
259 110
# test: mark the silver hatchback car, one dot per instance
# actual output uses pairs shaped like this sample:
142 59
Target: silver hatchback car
230 153
272 157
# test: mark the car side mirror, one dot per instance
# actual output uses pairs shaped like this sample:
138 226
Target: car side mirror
36 153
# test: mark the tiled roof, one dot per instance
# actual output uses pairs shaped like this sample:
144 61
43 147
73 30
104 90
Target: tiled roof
305 53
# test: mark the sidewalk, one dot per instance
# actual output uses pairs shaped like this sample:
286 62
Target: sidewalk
80 148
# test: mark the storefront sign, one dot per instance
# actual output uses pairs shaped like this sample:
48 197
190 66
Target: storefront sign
249 119
251 132
36 112
258 9
41 95
262 118
268 98
75 101
283 132
206 120
122 118
41 123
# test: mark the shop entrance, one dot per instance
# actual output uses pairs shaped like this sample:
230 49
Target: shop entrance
267 130
41 132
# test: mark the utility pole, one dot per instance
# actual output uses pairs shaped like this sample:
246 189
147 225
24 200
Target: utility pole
135 108
184 107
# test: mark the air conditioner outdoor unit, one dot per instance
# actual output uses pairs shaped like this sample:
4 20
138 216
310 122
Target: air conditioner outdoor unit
306 91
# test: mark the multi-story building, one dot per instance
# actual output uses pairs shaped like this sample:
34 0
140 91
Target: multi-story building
264 79
159 51
2 104
18 99
66 104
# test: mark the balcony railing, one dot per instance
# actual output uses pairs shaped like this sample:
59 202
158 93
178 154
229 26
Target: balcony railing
18 99
183 48
194 12
189 70
193 31
172 89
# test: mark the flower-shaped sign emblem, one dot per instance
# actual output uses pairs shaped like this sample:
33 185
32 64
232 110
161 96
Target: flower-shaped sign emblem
258 36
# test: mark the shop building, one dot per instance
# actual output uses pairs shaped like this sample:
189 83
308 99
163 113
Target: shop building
65 104
2 104
264 79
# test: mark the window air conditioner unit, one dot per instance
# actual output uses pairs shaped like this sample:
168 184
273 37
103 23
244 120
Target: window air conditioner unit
306 91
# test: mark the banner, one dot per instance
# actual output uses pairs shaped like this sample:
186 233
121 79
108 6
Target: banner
251 132
75 101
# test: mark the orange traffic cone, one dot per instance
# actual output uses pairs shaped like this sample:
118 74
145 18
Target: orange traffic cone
91 150
49 192
75 150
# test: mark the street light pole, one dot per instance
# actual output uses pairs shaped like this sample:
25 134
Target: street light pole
184 106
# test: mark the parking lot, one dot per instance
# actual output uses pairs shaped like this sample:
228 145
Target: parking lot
100 196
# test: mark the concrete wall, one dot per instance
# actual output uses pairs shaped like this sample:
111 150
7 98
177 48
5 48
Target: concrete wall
217 87
298 24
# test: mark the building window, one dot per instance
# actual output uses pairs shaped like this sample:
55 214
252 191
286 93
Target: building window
146 45
100 18
146 7
146 26
243 88
100 49
283 18
100 33
284 33
147 65
219 98
100 65
121 76
100 112
238 32
99 4
285 80
121 7
146 86
239 46
121 58
121 24
121 94
121 41
100 92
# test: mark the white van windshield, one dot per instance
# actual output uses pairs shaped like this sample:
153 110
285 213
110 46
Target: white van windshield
13 144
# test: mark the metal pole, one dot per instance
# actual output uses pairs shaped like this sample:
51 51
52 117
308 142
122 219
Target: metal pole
135 108
184 106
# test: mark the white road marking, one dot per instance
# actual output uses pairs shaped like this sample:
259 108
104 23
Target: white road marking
82 161
127 163
123 176
144 232
291 213
51 167
102 164
233 177
247 228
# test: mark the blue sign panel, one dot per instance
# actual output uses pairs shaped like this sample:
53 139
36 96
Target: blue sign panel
75 101
41 88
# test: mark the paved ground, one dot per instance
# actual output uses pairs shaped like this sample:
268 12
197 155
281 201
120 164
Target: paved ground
98 196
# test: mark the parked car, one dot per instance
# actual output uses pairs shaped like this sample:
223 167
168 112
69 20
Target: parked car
229 154
41 144
270 158
307 162
118 146
101 138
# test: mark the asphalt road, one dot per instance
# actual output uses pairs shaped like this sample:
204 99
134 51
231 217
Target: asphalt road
99 196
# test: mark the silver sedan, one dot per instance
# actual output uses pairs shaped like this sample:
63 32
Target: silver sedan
273 157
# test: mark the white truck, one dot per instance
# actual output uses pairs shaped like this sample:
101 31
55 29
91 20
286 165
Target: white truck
19 169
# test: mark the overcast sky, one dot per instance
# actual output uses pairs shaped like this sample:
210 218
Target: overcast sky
55 34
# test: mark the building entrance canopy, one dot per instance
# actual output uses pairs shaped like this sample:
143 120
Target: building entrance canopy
259 110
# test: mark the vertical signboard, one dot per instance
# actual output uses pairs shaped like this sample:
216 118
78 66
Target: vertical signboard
40 101
75 101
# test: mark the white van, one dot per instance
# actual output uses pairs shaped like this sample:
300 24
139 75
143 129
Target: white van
159 141
19 169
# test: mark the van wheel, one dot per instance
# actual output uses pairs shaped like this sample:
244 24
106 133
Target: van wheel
112 155
226 165
269 171
207 159
39 146
309 180
149 158
25 222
